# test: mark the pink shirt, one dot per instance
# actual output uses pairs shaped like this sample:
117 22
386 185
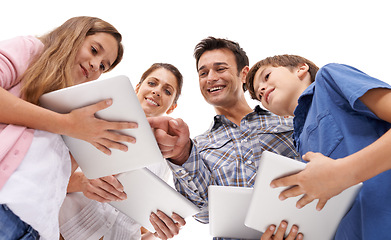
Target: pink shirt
15 56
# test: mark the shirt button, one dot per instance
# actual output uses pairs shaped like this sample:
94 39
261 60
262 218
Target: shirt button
248 162
182 171
244 140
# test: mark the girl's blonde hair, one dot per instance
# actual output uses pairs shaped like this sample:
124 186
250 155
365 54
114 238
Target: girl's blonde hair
52 69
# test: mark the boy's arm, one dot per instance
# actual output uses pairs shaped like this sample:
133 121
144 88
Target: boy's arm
324 178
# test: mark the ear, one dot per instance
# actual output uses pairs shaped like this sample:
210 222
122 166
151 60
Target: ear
302 70
244 73
137 88
171 109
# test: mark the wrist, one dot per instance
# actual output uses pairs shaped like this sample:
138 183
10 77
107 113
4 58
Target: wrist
183 155
351 173
76 182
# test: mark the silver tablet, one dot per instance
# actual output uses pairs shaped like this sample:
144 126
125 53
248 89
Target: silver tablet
265 207
228 206
125 107
148 193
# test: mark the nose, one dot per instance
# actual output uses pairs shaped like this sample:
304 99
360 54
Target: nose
156 92
94 65
261 89
212 76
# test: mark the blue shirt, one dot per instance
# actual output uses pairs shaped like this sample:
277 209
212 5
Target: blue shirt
331 119
228 154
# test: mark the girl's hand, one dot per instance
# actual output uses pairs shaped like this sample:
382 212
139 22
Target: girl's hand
82 124
279 235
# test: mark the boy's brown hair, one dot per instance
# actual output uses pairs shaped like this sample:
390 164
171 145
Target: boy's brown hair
289 61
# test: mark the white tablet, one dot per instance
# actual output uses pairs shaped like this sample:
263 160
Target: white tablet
125 107
265 207
228 207
148 193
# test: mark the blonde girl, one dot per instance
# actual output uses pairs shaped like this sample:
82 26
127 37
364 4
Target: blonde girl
34 161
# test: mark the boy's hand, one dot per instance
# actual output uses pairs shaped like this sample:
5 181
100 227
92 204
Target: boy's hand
322 178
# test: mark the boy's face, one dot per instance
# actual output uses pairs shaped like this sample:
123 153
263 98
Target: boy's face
279 88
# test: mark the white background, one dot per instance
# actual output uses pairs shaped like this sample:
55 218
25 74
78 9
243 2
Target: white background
356 33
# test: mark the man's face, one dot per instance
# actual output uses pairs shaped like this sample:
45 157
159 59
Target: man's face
220 83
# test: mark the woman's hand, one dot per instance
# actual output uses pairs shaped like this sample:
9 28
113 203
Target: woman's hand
82 124
165 226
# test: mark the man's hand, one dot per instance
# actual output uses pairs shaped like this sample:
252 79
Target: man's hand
173 138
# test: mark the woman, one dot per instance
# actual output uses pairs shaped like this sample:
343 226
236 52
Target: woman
83 218
80 50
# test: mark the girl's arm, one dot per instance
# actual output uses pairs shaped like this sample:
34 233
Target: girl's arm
80 123
324 178
104 189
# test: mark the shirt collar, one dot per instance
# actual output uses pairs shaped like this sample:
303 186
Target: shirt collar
301 110
221 119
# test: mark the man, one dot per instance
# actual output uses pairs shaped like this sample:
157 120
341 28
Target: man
228 153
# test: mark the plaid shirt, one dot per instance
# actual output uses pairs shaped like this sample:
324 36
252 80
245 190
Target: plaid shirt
228 155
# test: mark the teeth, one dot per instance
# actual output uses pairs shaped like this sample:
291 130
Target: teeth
153 102
215 89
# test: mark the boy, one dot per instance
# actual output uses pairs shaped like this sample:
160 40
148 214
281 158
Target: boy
340 113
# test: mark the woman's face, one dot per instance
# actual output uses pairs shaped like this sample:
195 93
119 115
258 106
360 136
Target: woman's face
97 53
157 93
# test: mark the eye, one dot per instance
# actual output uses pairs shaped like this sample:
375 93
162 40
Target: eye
168 92
267 76
221 69
93 50
102 67
202 74
150 83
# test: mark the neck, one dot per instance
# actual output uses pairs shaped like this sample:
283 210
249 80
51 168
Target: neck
235 113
